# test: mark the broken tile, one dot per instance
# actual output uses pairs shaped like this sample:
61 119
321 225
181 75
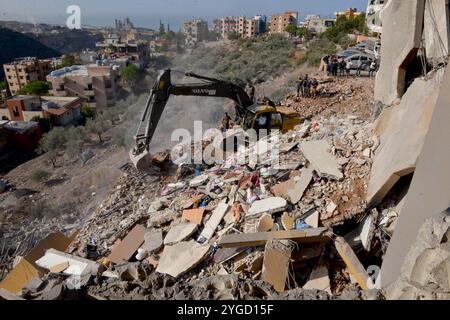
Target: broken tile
129 245
182 257
179 233
318 154
269 205
194 215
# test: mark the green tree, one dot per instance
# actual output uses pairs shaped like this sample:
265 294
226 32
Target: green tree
67 60
130 74
36 88
304 32
291 29
233 35
2 85
88 112
51 143
97 126
75 138
44 123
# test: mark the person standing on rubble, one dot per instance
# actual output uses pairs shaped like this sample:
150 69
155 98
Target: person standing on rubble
335 66
306 87
372 69
314 85
342 67
300 86
251 91
226 122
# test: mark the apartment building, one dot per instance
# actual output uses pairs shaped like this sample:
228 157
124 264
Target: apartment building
246 28
317 25
22 71
348 13
374 9
195 30
62 111
116 46
279 23
95 84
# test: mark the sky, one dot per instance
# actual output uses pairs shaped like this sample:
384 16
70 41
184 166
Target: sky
147 13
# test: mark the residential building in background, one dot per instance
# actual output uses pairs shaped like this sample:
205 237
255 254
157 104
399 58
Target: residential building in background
95 84
348 13
195 30
317 25
279 23
114 46
246 28
22 71
124 25
374 8
61 111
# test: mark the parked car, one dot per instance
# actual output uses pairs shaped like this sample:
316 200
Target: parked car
360 59
347 53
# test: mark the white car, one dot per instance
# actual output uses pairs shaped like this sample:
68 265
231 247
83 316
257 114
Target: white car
360 60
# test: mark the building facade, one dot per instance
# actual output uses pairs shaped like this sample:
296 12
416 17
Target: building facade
349 13
195 31
246 28
22 71
317 25
95 84
61 111
374 9
279 23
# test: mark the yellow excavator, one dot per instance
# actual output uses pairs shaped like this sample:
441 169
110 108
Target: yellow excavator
253 115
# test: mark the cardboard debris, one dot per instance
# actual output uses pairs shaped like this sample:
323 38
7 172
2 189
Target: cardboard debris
269 205
194 215
179 233
261 238
129 245
214 221
277 257
27 269
182 257
318 154
352 262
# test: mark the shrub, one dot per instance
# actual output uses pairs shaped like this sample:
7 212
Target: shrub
38 175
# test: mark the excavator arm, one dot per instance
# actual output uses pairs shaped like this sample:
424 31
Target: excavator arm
159 96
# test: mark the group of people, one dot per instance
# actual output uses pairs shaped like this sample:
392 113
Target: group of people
306 87
335 66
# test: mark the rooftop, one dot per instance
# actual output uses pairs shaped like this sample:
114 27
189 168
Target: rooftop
20 126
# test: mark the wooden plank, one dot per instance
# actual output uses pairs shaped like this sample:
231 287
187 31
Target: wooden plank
129 245
261 238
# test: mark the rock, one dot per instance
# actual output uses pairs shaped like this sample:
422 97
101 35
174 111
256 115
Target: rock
199 181
85 156
331 207
179 233
265 223
319 280
153 240
317 153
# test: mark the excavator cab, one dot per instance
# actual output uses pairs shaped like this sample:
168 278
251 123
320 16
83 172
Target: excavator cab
254 115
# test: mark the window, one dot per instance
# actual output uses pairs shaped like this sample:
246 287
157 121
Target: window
276 120
90 86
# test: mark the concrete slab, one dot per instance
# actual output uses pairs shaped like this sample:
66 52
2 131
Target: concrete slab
436 29
213 222
313 220
429 191
153 240
194 215
277 257
182 257
403 18
269 205
179 233
199 181
129 245
76 265
319 280
301 183
318 154
402 142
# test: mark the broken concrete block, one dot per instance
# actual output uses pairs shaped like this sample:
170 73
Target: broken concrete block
34 286
153 240
129 245
402 135
214 221
77 266
6 295
322 161
405 18
313 220
287 221
199 181
269 205
194 215
182 257
265 223
179 233
436 30
319 280
367 230
301 183
353 264
277 257
331 207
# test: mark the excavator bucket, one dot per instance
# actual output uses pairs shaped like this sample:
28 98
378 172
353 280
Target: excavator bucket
142 162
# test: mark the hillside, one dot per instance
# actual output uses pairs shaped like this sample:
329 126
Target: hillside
16 45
